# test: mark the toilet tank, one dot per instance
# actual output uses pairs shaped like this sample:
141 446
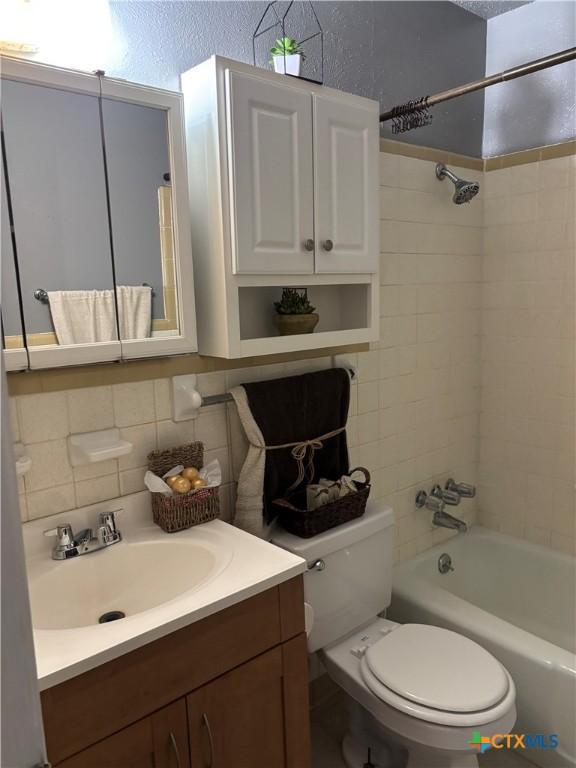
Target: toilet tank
355 583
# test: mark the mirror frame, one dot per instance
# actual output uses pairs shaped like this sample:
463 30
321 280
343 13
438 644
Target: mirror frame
34 73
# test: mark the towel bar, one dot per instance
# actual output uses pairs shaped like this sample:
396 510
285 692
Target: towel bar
227 397
42 296
187 401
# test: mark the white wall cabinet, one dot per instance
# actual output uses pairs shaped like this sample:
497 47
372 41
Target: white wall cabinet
346 176
283 179
272 179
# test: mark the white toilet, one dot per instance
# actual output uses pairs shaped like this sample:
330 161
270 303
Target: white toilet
412 688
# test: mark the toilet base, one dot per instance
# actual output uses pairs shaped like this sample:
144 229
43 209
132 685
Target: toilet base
390 750
355 754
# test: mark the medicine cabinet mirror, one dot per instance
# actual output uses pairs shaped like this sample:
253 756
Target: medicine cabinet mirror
96 256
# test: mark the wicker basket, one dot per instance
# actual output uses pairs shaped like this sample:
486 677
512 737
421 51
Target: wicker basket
295 518
176 513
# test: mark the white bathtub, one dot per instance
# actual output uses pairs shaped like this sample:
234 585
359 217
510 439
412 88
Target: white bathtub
518 600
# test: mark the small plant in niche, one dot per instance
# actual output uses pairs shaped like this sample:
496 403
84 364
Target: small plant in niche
287 56
294 313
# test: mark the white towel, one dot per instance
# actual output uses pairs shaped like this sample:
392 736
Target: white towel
83 317
87 317
249 502
134 311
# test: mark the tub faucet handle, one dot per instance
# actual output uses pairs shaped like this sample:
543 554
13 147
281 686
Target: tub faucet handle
465 490
433 503
452 498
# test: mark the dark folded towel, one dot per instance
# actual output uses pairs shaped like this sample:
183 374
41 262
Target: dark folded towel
295 409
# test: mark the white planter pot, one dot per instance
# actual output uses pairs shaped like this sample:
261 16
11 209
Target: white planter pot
288 65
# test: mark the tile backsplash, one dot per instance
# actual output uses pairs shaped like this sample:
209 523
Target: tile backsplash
414 409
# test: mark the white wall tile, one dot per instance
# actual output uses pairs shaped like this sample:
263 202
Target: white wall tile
144 440
90 409
212 427
51 501
14 421
527 432
134 403
99 489
96 469
23 506
163 398
170 433
50 465
43 417
132 481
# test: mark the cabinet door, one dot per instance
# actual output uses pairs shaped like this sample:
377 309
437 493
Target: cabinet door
347 186
270 161
237 721
158 741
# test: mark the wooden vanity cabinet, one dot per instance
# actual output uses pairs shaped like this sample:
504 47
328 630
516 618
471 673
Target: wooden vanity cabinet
230 691
158 741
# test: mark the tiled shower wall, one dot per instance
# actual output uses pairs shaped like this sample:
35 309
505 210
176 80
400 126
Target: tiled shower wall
527 467
414 413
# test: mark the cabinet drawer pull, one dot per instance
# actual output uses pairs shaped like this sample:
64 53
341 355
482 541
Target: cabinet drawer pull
309 244
175 749
206 724
327 245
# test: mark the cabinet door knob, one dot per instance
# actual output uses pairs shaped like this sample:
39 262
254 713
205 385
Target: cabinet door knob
327 245
309 244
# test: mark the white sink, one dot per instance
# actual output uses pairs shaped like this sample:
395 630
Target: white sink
161 582
126 577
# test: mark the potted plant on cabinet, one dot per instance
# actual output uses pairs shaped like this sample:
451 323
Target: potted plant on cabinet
287 56
294 313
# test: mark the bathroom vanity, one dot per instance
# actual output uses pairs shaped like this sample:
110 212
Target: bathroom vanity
209 667
230 690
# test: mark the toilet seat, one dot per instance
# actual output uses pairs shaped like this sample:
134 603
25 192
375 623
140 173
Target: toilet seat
437 675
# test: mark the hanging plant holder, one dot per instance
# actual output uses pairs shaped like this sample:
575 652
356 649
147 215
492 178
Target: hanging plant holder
289 39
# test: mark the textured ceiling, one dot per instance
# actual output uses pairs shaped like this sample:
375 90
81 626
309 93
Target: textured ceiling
489 8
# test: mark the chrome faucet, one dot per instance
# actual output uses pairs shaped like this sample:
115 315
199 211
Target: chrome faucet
69 545
448 496
444 519
464 490
437 504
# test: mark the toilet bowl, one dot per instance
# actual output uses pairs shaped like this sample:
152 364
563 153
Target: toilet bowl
421 690
417 695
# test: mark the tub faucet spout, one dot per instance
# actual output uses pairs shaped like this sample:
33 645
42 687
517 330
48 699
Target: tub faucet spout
445 520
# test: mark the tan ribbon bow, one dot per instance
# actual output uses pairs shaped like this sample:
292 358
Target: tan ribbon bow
302 449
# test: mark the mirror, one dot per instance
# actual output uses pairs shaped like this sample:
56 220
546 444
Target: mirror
139 176
12 333
96 177
58 190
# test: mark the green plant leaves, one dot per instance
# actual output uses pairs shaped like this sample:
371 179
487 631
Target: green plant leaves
286 46
294 302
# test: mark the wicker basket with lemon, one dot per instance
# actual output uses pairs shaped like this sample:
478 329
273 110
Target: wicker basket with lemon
184 491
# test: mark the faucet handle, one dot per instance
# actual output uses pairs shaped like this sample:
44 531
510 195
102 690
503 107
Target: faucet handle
465 490
448 497
431 502
63 533
107 531
108 520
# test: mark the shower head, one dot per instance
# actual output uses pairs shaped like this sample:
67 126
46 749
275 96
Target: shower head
464 190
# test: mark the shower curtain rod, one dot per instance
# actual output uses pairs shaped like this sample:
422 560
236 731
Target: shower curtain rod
510 74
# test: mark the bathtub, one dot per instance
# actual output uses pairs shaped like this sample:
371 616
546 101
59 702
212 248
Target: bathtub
518 600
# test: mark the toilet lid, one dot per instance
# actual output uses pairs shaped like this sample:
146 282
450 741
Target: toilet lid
437 668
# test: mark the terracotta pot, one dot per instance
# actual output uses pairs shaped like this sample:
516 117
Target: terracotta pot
289 325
